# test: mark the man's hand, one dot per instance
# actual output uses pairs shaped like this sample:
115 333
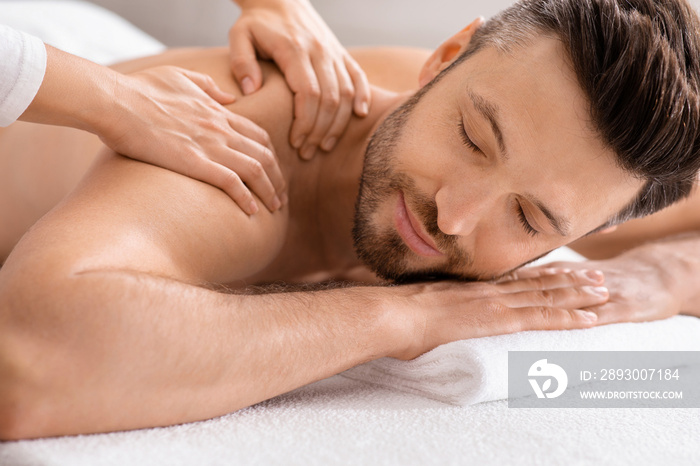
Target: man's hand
328 84
549 299
640 290
174 118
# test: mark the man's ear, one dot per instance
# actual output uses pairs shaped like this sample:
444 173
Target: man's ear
447 52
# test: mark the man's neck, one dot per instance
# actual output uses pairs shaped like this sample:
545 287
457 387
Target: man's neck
338 180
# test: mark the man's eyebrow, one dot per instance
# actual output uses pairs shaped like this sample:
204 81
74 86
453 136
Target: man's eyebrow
560 224
490 112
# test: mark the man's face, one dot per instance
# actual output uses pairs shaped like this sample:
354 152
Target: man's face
495 165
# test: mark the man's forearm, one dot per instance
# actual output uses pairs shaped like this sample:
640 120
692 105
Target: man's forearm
679 259
139 351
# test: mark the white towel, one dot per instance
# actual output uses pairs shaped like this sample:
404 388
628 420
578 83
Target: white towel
472 371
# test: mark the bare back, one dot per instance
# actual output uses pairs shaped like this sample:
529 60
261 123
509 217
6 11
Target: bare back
40 165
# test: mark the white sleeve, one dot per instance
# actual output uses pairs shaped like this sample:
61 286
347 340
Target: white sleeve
22 69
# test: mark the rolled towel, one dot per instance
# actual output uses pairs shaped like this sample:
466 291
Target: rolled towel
473 371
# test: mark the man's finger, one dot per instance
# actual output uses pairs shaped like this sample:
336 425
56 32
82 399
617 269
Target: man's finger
547 318
244 63
564 298
528 272
551 278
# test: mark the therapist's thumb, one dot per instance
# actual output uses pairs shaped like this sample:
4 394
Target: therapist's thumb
244 63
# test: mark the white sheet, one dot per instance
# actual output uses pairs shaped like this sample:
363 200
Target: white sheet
340 421
80 28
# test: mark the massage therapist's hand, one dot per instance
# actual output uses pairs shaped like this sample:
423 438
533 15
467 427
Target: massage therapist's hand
174 118
442 312
165 116
328 84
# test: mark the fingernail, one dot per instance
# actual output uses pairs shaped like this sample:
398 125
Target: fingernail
285 199
594 275
364 108
600 291
308 152
253 208
298 141
589 316
276 203
329 144
247 85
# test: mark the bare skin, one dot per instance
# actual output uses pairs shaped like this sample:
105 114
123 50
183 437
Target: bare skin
109 317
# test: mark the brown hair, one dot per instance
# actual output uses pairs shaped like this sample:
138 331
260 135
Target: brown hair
637 63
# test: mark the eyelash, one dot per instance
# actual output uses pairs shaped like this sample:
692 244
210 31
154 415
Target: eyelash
521 213
467 140
523 220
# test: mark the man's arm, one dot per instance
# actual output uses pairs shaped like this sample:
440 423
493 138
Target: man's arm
108 324
651 264
654 280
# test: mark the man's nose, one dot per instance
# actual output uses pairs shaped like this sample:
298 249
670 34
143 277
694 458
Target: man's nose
459 213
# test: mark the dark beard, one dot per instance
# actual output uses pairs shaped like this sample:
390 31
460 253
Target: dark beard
383 251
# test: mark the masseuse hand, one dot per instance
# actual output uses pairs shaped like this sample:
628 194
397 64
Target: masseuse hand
328 84
173 118
640 290
165 116
442 312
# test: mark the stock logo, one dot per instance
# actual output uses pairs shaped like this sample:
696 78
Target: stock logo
542 370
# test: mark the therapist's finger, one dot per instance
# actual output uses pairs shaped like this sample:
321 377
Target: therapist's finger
209 86
227 180
255 176
243 59
327 108
342 116
302 81
265 156
363 95
250 130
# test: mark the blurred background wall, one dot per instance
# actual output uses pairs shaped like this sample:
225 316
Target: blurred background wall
355 22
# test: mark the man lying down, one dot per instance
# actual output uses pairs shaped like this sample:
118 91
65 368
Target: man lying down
126 306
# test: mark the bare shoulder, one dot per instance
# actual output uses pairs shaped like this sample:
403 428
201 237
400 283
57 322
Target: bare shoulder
393 68
127 215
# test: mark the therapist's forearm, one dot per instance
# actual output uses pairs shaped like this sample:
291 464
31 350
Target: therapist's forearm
75 92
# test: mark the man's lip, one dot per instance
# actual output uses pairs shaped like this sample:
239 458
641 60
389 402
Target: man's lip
411 232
